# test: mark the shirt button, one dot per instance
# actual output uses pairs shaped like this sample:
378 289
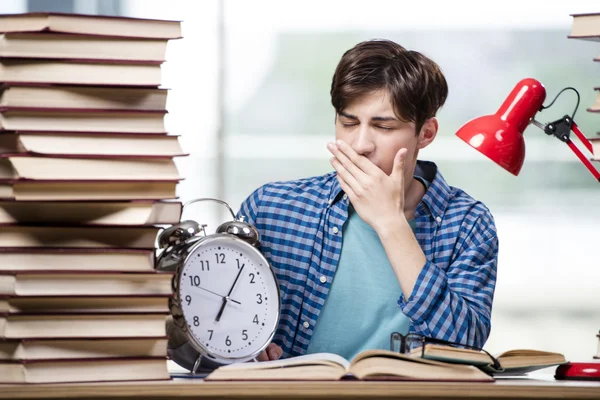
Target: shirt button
306 325
330 202
335 230
438 219
345 197
323 279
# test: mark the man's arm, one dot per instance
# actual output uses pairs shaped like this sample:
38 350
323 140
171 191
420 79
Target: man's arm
455 304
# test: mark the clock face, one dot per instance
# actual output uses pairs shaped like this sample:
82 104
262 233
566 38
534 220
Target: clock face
229 298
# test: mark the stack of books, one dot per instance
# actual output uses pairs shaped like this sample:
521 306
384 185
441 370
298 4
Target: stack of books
87 177
587 27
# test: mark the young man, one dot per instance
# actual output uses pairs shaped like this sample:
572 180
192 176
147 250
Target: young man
383 243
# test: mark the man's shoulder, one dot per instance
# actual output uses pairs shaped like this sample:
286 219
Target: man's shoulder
471 209
450 200
308 193
303 187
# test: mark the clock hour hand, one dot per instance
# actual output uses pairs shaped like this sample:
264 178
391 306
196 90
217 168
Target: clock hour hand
217 294
226 298
221 309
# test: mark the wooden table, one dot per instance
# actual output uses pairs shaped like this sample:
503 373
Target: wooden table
197 389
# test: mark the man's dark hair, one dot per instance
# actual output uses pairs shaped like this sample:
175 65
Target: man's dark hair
416 84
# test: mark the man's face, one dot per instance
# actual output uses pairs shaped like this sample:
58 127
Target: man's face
369 125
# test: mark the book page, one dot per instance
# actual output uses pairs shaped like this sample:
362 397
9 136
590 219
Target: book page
527 353
305 360
383 363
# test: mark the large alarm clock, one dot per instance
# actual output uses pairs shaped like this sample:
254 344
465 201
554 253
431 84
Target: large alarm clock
226 301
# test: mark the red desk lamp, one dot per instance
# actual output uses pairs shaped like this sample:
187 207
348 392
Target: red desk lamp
500 136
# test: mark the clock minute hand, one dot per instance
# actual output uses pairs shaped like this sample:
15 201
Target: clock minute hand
226 298
236 279
217 294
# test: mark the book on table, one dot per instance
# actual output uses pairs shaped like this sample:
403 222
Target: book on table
597 356
595 141
84 283
84 370
80 326
596 106
44 96
63 303
76 259
368 365
79 47
141 212
83 24
148 122
513 362
89 144
56 349
72 72
29 166
132 237
61 189
585 26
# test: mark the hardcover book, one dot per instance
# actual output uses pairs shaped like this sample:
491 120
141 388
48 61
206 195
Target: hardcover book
90 25
368 365
142 212
59 190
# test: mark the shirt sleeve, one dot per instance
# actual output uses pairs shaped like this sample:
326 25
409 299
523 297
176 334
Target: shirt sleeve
456 304
249 207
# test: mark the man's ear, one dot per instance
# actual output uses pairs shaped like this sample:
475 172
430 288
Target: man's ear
428 133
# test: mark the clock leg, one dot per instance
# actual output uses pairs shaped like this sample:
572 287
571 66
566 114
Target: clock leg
197 364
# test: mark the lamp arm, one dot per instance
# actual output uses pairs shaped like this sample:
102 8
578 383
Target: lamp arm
562 129
586 142
588 145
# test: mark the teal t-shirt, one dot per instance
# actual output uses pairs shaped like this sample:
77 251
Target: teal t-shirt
361 309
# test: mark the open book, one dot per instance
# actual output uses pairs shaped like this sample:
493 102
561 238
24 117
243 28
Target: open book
368 365
513 362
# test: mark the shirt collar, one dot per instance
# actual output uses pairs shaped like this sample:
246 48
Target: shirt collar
435 200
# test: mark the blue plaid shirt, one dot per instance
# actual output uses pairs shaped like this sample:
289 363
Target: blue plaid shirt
300 223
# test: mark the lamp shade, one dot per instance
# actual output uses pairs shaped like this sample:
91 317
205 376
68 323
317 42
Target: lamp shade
499 136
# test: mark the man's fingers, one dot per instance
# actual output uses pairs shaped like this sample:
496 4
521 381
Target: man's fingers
345 176
346 188
398 170
272 352
345 161
361 162
262 356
